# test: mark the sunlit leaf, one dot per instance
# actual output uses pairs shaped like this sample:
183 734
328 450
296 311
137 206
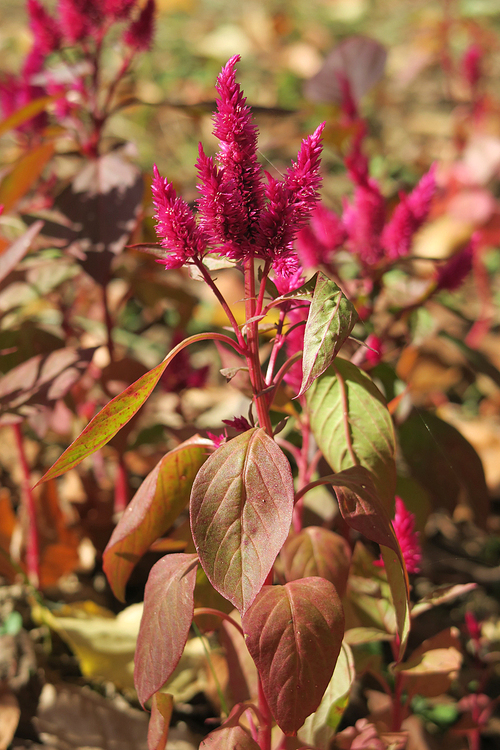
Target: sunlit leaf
24 175
433 665
317 552
13 254
363 511
26 113
320 728
159 723
348 411
330 321
167 617
441 595
153 509
294 634
232 737
241 511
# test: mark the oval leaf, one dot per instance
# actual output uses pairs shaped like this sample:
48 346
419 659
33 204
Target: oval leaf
294 634
344 402
167 617
24 175
229 738
320 728
317 552
363 511
241 511
330 321
153 509
159 722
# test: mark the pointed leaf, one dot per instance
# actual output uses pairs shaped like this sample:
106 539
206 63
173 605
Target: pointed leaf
241 511
167 617
346 407
153 509
27 113
320 728
117 413
229 738
11 257
330 321
363 511
317 552
25 173
159 723
294 634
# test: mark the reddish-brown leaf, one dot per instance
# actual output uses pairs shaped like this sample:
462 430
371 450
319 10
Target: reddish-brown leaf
229 738
13 254
363 511
167 617
317 552
159 723
26 172
153 509
294 634
241 511
27 113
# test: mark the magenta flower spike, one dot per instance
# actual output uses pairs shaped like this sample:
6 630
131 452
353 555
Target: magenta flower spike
408 217
140 32
176 225
46 33
404 527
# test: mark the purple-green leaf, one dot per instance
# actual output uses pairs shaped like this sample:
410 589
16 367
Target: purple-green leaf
330 321
351 424
159 722
241 511
294 634
153 509
317 552
167 617
363 511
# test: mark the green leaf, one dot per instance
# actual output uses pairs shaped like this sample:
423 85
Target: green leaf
330 321
294 634
347 411
320 728
167 617
153 509
241 511
117 413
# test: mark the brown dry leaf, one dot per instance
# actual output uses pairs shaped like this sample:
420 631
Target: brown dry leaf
9 717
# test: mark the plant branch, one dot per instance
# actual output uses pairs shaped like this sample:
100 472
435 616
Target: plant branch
32 543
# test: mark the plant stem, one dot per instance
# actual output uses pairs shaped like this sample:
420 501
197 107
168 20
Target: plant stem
32 544
218 613
109 323
220 297
265 727
252 354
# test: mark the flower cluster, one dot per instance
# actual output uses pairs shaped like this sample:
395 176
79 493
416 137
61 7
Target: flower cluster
75 21
239 215
408 538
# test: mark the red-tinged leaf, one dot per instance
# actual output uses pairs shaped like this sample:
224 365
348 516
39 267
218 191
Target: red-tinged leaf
294 634
363 511
117 413
241 511
358 60
317 552
27 113
25 173
350 420
167 617
330 321
159 723
16 252
243 679
153 509
433 665
441 595
229 738
320 728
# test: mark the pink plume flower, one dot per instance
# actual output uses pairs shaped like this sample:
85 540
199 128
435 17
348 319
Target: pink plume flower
240 424
118 9
363 220
317 243
47 35
296 318
139 34
471 65
77 18
409 215
408 538
451 275
176 225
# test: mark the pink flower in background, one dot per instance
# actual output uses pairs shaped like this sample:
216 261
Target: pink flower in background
139 34
317 242
471 65
452 274
118 9
409 215
408 538
240 217
46 32
363 220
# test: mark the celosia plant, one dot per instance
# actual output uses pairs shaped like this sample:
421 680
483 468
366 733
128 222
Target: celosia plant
245 496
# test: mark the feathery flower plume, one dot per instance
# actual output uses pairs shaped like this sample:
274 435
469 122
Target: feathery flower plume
471 65
47 36
176 225
76 18
118 9
140 32
363 220
451 275
404 528
408 217
318 241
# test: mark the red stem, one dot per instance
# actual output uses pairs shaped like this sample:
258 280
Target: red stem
220 297
266 726
32 544
222 615
252 354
